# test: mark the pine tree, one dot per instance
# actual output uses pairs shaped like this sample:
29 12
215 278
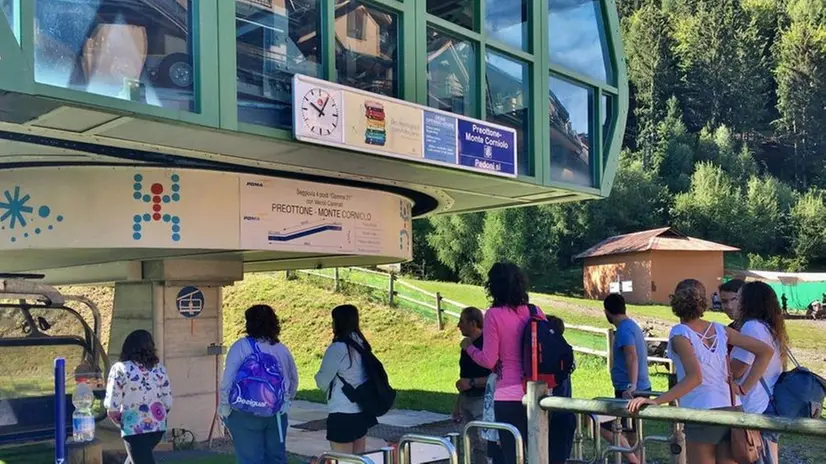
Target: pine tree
801 87
652 70
723 71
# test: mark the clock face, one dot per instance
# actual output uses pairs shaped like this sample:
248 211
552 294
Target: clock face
320 112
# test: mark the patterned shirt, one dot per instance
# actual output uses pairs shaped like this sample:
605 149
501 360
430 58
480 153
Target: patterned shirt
140 397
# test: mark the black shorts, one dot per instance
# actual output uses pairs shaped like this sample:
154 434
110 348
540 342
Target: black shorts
347 428
627 423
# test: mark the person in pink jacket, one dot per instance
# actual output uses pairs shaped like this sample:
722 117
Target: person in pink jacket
504 324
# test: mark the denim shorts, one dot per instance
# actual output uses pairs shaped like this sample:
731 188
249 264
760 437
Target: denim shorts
773 437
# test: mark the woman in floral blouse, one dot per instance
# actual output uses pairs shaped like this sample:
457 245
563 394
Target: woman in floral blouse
138 397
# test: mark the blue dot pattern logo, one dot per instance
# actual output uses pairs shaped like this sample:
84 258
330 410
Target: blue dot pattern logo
156 198
21 219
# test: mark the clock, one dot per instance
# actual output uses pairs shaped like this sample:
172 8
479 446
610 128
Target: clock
320 112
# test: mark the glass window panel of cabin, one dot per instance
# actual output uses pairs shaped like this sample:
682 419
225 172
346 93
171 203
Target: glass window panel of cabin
367 42
506 21
508 102
459 12
274 40
137 51
571 114
9 12
577 38
451 65
607 125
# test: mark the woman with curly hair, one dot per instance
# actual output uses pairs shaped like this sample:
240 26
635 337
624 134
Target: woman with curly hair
699 352
260 380
761 317
138 397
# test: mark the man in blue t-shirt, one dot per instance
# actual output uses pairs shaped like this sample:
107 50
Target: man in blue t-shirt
630 354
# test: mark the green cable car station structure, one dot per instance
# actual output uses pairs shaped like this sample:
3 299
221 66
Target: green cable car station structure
169 146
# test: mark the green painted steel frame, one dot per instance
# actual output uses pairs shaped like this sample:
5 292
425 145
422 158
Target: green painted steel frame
213 28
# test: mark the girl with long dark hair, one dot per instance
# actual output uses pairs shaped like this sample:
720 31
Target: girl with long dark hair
139 397
259 438
347 424
761 317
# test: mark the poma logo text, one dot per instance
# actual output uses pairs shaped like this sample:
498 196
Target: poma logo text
255 184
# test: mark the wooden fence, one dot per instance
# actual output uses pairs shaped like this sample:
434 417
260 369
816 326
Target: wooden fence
437 303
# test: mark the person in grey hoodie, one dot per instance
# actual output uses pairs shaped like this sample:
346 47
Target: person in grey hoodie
259 440
347 424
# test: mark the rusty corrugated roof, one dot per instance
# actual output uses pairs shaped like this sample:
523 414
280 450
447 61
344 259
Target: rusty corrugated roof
664 238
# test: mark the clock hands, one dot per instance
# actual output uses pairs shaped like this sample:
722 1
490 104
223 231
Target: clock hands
324 106
320 110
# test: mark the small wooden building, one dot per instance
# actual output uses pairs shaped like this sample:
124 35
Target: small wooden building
646 266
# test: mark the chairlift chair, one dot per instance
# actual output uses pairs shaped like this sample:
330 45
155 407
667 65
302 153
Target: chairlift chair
39 306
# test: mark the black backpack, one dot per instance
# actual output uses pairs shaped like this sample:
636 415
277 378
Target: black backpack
546 355
375 396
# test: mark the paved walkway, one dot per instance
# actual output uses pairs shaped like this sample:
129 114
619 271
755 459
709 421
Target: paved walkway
306 435
313 443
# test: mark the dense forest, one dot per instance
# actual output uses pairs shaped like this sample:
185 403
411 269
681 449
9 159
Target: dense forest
726 141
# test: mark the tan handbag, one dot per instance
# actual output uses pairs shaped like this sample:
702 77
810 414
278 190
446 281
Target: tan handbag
746 445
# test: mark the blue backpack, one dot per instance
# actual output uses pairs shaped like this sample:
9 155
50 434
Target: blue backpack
259 384
546 355
798 393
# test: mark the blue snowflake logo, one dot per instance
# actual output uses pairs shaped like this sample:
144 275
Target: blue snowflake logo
15 208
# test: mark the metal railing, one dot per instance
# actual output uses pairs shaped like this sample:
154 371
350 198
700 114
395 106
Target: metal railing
409 439
537 403
517 437
386 454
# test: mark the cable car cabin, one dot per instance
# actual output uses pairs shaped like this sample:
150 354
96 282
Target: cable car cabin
37 326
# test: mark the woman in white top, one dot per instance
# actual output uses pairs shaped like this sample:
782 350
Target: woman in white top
139 397
761 317
347 424
699 351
